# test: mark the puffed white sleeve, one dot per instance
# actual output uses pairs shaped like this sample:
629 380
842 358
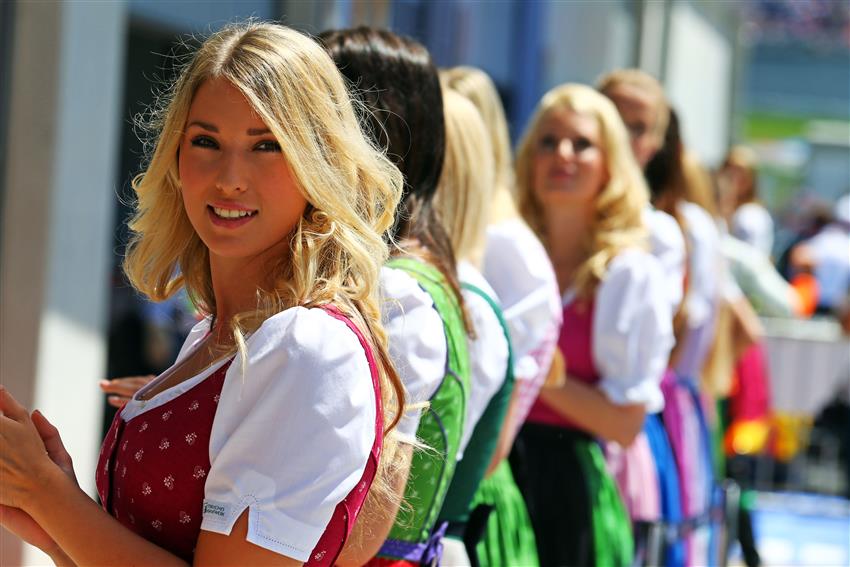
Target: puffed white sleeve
488 351
706 264
417 343
293 432
518 268
632 331
753 224
668 245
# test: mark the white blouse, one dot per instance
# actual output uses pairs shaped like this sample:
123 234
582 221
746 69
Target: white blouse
488 353
517 267
752 223
668 245
706 278
293 429
632 330
417 343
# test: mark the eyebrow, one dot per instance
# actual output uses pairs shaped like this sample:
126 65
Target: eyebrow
212 128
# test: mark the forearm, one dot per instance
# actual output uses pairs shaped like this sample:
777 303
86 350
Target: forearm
60 558
593 411
506 439
84 533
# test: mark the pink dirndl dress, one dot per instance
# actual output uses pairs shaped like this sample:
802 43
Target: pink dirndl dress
684 422
152 468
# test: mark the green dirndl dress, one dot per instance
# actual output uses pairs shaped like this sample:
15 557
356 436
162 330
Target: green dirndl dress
415 536
470 495
508 537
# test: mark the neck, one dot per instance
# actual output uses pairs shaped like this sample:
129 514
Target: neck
566 233
235 285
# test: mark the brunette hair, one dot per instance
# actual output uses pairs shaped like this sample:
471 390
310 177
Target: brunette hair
395 77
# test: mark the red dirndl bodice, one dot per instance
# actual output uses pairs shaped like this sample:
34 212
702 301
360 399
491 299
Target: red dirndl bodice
152 468
576 345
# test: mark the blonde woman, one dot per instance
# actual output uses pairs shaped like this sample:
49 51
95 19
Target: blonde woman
642 105
259 445
518 268
580 189
463 199
515 262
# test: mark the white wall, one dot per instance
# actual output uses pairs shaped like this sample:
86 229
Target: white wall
699 81
586 39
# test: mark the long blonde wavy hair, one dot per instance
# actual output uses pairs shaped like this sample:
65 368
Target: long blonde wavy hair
352 190
617 223
478 87
465 189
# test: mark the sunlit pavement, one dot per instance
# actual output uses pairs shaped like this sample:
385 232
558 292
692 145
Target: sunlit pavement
800 529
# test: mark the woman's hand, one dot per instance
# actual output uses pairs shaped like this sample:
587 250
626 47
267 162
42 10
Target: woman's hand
22 525
557 374
53 444
19 522
24 458
120 390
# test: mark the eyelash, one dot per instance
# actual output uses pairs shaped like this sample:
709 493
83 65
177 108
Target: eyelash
209 143
549 143
204 142
275 147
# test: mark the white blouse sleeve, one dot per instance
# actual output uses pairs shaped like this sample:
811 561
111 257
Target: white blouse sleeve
753 224
705 265
518 268
417 343
488 353
292 433
668 245
632 330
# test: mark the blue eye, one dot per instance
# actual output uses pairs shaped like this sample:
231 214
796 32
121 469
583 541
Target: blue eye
204 142
268 146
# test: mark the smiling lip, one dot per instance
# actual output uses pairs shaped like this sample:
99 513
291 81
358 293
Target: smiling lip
231 222
561 174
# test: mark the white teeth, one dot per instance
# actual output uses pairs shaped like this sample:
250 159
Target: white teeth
232 213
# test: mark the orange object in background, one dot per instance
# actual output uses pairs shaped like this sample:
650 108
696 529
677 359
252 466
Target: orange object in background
747 437
806 287
790 435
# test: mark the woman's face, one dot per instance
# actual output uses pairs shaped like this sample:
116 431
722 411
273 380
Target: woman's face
238 190
569 164
640 115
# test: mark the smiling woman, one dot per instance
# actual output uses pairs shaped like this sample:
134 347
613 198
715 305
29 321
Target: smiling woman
233 174
266 201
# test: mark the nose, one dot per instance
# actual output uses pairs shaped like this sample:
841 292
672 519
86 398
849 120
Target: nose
232 175
565 149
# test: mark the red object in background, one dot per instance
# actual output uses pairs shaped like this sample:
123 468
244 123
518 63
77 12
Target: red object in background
749 404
